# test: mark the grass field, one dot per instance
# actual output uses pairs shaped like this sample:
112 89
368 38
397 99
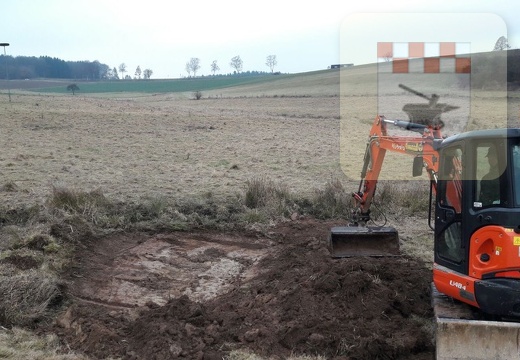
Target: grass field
160 86
147 156
110 161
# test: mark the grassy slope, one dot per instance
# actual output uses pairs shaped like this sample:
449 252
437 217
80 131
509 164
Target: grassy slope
184 85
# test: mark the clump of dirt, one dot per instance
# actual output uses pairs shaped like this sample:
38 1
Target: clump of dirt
295 299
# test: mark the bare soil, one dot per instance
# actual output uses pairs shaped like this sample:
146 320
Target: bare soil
200 295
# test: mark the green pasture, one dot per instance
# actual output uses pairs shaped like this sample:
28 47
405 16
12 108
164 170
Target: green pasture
162 86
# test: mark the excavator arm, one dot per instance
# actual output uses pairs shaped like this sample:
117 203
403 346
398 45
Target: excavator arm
358 238
422 147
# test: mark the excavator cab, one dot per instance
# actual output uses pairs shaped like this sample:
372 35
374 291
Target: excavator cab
477 220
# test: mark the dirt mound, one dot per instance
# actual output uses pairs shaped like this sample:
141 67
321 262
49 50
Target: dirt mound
288 296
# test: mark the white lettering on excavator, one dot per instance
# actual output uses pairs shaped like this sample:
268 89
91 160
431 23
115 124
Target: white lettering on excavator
398 147
458 285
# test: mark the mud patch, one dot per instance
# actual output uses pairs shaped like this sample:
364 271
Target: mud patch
133 270
201 295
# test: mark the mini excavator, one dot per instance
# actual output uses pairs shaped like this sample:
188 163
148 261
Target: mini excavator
474 200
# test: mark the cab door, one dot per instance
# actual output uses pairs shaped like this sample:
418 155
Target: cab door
450 248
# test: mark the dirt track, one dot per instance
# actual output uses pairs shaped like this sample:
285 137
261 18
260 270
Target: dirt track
201 295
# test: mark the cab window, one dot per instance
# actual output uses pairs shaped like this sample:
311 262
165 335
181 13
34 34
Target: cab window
451 179
487 191
449 247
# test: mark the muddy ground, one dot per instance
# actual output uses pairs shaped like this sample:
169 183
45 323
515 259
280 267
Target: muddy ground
200 295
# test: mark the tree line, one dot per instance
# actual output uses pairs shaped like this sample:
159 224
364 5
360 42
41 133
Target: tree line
30 67
236 63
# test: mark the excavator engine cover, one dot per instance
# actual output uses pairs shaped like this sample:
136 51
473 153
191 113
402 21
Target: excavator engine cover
350 241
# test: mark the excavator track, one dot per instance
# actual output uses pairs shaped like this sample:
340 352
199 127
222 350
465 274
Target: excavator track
465 333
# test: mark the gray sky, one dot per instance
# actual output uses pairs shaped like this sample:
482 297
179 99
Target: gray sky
164 35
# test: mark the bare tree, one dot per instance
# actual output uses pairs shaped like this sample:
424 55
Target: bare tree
188 68
110 74
194 65
122 70
214 67
147 73
116 76
236 63
271 62
138 72
501 44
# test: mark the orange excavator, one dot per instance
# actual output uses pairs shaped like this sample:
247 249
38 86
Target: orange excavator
474 200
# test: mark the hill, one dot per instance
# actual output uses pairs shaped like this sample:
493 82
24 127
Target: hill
325 82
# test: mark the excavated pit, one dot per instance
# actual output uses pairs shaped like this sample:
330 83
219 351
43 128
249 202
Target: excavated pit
200 295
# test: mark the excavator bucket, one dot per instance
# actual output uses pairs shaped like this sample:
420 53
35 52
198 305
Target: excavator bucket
350 241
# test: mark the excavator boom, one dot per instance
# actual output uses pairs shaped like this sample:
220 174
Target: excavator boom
360 239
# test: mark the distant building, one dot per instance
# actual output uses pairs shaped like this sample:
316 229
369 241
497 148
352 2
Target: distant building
337 66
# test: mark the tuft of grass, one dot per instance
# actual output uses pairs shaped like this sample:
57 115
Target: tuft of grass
332 202
26 297
17 343
242 355
272 200
72 201
19 216
262 191
38 241
248 355
208 212
79 215
148 209
252 216
9 186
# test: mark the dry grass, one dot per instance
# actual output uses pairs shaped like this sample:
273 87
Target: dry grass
26 297
76 167
17 343
246 355
163 146
404 198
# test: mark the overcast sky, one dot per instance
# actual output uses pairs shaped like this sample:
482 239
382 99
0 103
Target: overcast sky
164 35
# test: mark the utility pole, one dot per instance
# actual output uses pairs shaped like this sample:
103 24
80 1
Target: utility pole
6 72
